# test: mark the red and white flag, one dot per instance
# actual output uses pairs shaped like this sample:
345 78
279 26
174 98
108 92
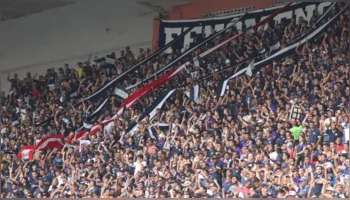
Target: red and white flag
92 129
50 142
26 153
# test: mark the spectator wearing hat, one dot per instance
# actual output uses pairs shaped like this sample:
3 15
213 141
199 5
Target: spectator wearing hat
303 188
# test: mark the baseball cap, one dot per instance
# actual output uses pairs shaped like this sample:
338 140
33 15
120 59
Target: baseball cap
295 122
303 179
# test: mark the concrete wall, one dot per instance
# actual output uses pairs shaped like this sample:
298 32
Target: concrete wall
198 8
69 34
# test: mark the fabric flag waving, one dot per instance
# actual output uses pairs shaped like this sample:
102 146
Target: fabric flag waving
193 93
275 46
87 126
110 59
100 61
223 84
131 100
250 69
283 51
197 61
213 36
90 121
313 34
120 93
127 104
50 142
151 111
99 108
26 153
153 132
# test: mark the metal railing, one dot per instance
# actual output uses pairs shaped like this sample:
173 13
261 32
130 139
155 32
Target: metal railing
228 12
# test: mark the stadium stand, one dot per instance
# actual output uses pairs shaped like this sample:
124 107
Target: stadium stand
261 112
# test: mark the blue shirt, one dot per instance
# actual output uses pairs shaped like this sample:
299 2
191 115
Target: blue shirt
49 177
37 191
58 161
304 191
346 170
306 166
314 135
318 187
226 186
329 137
34 182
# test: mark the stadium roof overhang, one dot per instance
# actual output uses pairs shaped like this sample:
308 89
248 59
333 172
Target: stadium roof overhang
12 9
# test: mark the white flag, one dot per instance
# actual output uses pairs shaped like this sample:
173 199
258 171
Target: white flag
250 68
275 47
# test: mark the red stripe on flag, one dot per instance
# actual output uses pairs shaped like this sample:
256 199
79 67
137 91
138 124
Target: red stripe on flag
97 127
242 34
26 153
80 134
130 101
93 130
51 142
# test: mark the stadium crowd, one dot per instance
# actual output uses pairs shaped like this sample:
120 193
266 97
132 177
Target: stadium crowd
250 144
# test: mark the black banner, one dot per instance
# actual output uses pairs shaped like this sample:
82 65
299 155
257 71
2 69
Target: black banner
170 29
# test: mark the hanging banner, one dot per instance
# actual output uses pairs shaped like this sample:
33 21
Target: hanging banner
289 49
209 51
170 29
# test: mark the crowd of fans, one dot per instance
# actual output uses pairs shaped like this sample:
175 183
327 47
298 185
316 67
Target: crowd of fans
248 145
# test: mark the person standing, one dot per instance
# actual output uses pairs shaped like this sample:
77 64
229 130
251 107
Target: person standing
296 131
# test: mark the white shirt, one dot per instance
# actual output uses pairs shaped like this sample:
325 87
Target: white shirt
273 155
138 166
346 128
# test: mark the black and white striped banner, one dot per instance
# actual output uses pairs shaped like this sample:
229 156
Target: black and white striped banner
88 126
194 94
222 86
121 93
99 108
91 119
152 111
111 59
275 46
186 53
112 83
153 132
292 47
204 26
279 54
